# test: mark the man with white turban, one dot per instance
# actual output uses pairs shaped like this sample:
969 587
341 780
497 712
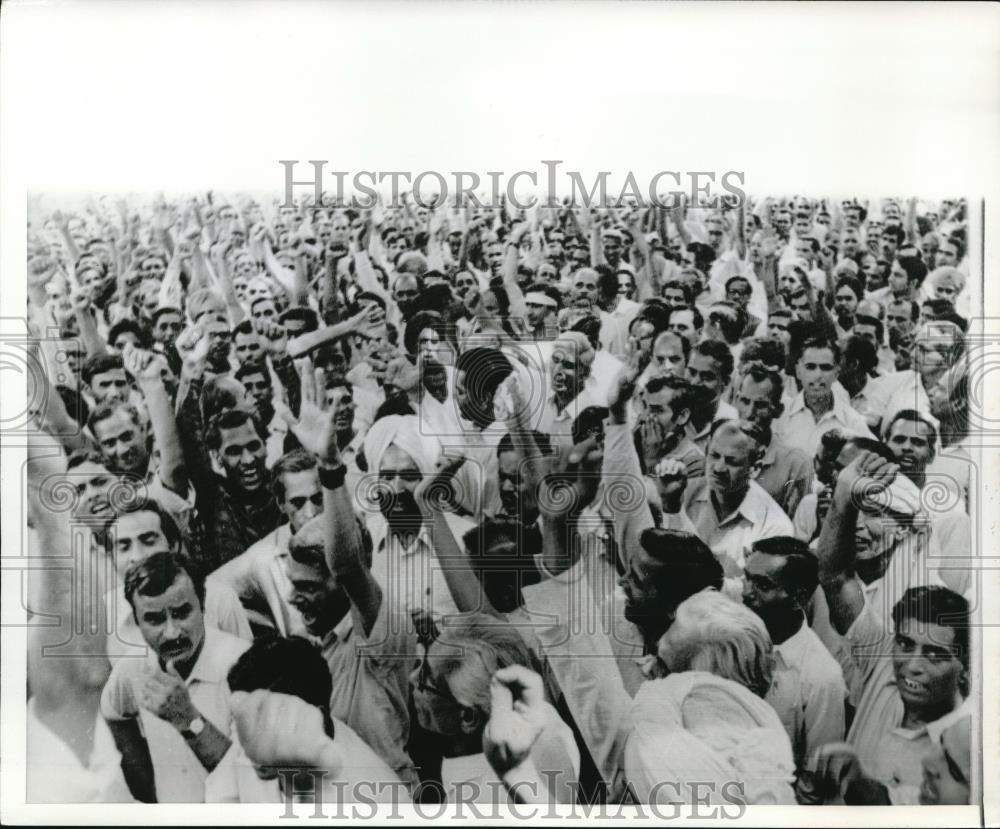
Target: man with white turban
403 559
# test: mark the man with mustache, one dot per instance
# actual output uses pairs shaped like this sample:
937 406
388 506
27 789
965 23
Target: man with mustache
709 368
179 691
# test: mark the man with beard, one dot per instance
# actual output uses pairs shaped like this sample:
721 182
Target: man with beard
709 368
847 294
127 447
815 410
178 692
807 687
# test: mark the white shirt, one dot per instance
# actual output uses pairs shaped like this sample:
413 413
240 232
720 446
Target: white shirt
180 776
807 692
56 775
798 427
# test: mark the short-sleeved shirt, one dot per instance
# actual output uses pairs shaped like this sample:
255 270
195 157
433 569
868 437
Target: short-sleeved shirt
799 429
180 776
371 682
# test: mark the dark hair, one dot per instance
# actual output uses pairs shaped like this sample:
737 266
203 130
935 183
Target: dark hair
230 419
732 328
81 456
300 313
133 327
591 419
864 319
736 278
685 396
108 410
914 307
244 326
154 576
818 342
683 287
765 350
542 440
549 290
759 375
867 444
75 403
704 255
852 284
720 353
912 416
696 317
417 323
935 605
689 565
861 351
800 572
485 369
502 577
252 367
100 364
167 524
369 296
656 313
896 232
916 270
293 666
167 309
298 460
589 324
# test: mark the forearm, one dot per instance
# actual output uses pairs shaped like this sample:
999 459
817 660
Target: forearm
344 552
210 746
93 342
166 436
465 587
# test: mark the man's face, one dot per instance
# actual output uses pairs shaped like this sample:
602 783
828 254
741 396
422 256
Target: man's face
682 324
243 455
947 255
802 226
537 314
516 496
644 606
930 353
626 285
783 223
899 282
668 355
153 268
658 407
777 329
816 371
217 333
945 290
567 371
613 248
258 386
739 292
264 310
714 229
406 292
913 445
137 536
852 217
399 477
803 249
584 293
729 462
464 283
850 243
705 374
926 666
303 498
316 595
168 327
763 590
93 484
172 624
753 401
248 347
888 246
674 297
258 289
123 444
845 302
340 400
494 257
799 306
867 331
108 386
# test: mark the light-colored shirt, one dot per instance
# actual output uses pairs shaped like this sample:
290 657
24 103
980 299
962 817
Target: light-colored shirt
180 776
559 423
259 579
786 475
731 536
411 576
371 683
808 693
56 775
799 429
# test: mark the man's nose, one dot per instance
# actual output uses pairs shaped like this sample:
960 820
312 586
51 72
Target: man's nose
247 456
170 630
310 510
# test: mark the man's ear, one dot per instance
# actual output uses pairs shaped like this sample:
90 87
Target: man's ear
470 720
217 465
683 418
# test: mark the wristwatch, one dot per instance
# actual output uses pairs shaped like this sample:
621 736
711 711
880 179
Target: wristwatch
193 729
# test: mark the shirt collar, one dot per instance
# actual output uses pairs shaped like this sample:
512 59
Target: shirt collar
751 508
793 650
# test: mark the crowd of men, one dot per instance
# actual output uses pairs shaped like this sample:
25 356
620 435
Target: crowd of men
636 504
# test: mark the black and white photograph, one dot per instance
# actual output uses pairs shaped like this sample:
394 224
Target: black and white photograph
499 412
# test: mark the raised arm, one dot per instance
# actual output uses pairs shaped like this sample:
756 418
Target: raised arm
865 476
316 432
